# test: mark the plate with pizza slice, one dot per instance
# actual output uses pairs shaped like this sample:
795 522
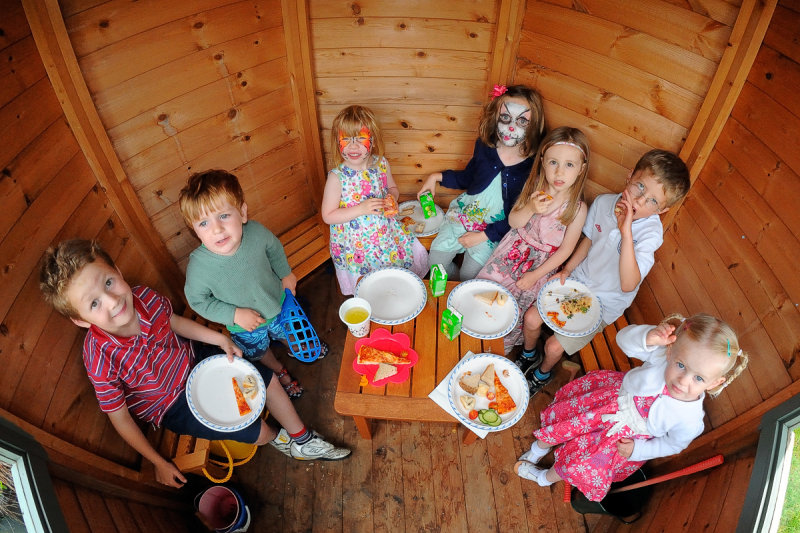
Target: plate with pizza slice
569 309
492 382
225 396
384 357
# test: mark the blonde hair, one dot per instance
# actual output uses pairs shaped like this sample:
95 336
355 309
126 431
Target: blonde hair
60 264
487 129
669 170
716 335
537 181
206 192
349 122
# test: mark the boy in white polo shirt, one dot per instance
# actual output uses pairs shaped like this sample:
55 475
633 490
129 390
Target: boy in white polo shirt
621 234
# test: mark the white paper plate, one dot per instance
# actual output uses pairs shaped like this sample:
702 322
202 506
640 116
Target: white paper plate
431 224
549 300
209 393
515 383
396 295
483 321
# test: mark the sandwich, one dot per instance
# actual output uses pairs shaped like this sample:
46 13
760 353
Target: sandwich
492 297
469 382
384 371
250 387
468 402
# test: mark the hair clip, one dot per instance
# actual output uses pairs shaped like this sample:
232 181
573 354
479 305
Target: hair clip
729 347
498 90
686 324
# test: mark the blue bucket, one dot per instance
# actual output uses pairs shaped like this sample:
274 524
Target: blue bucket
223 509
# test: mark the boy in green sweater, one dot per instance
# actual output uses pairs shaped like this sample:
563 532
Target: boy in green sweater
238 275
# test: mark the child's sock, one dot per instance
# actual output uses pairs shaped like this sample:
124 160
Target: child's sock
302 436
529 354
541 376
535 453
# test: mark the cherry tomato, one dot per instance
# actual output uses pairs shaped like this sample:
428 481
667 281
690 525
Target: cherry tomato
490 395
473 414
493 405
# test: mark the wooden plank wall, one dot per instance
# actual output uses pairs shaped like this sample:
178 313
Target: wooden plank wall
732 249
188 85
424 68
631 75
48 194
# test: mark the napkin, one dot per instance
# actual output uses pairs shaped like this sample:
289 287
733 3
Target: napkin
439 395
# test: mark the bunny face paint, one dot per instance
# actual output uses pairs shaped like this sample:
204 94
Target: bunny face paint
512 121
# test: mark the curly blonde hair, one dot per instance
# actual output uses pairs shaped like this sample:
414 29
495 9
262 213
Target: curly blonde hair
716 335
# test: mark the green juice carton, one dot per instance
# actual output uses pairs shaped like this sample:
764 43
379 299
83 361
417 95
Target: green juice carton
428 206
451 323
438 280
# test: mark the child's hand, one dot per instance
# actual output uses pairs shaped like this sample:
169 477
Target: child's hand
290 282
472 238
371 206
168 474
527 280
624 212
661 335
247 318
229 347
430 184
625 447
539 202
561 275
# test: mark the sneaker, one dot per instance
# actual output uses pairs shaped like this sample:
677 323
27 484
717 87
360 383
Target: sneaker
282 443
535 384
317 448
524 363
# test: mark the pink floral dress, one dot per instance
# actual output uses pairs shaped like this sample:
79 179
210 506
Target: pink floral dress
587 457
368 242
522 250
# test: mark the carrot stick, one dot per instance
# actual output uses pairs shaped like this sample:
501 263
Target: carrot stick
702 465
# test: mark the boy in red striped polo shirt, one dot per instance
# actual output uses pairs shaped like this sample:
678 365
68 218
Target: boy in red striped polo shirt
138 356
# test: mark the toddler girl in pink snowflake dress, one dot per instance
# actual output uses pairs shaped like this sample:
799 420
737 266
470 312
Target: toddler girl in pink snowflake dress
609 423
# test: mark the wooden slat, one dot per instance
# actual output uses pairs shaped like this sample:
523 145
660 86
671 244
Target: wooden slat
506 41
475 10
419 116
21 70
444 91
407 62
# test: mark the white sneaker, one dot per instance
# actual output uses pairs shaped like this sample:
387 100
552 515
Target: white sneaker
317 448
535 454
526 470
283 442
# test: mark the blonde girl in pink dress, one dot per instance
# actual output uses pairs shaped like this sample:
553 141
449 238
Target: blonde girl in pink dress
546 221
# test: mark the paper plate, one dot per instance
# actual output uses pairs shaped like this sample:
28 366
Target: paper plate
382 339
481 320
209 393
396 295
515 383
553 293
431 224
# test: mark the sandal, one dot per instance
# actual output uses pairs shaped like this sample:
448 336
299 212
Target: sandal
293 388
323 350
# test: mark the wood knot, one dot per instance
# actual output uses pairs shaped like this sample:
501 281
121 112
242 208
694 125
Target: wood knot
418 165
430 148
360 21
4 330
473 35
402 25
355 8
421 54
404 123
244 83
246 137
768 75
159 193
232 113
218 57
451 119
197 25
103 23
162 117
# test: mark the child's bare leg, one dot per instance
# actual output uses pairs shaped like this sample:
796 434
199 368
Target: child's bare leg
531 328
270 361
281 408
286 380
552 475
553 351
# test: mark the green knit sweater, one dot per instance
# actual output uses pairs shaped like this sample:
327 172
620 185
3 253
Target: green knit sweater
250 278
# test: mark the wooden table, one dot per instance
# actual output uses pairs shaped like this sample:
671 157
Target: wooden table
409 401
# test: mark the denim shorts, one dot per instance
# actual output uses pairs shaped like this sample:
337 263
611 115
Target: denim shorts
255 343
179 418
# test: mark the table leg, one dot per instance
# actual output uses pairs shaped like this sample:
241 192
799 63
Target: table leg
469 436
363 426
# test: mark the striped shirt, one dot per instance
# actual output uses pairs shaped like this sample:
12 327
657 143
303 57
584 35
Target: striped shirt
146 372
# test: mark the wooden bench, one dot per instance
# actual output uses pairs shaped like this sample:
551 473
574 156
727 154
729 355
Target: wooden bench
604 354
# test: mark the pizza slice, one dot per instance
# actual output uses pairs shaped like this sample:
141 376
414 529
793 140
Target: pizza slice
505 404
367 355
241 403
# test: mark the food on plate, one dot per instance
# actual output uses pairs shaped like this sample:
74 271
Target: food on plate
407 210
469 382
473 414
553 315
505 404
483 389
413 225
488 374
367 355
384 371
576 304
389 206
468 402
489 417
241 403
492 297
250 386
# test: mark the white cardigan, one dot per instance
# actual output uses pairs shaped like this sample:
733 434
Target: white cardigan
672 423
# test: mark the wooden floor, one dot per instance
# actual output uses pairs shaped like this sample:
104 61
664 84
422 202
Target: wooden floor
419 477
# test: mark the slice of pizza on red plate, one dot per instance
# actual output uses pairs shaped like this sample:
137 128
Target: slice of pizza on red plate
241 403
367 355
505 404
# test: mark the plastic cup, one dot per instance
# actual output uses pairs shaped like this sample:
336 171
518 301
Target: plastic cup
355 312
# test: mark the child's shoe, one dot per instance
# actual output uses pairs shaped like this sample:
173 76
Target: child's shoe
282 442
535 454
526 470
527 360
317 448
536 380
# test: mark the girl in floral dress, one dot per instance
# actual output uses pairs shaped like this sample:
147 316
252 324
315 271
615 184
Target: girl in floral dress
511 126
546 221
609 423
357 191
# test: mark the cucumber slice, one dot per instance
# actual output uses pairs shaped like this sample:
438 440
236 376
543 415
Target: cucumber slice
489 417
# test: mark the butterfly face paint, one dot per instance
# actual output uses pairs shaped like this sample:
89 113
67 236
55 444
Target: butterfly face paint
363 138
512 123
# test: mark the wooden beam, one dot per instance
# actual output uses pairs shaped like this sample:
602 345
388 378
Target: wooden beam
61 64
506 42
744 42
